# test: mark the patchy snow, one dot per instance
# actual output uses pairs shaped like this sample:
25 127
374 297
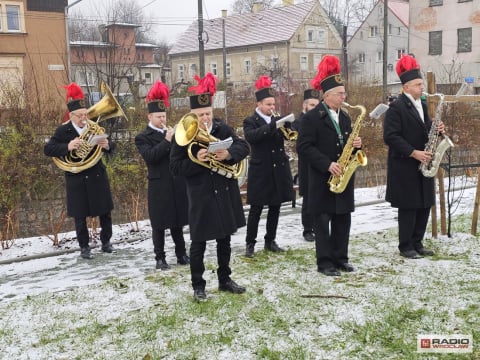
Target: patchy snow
134 259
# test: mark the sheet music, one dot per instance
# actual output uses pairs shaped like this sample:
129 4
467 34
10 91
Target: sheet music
96 138
218 145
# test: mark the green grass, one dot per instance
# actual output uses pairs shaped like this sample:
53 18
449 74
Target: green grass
289 311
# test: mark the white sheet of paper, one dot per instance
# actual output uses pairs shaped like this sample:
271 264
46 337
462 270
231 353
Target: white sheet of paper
96 138
218 145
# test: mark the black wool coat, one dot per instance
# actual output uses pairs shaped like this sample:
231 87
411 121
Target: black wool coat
167 194
302 164
319 146
269 176
88 192
215 206
403 132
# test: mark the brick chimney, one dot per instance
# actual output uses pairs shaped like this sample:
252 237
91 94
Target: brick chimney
258 5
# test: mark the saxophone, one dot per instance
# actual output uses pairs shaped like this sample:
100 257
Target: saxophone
348 160
437 150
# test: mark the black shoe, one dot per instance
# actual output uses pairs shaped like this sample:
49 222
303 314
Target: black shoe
425 252
309 236
183 260
250 250
231 286
410 254
346 267
85 253
162 265
107 247
329 272
199 295
273 246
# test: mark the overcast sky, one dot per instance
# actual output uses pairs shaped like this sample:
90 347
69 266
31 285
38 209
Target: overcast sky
171 17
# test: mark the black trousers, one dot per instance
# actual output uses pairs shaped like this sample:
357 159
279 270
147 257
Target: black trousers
332 232
82 230
158 237
307 219
254 219
197 267
412 224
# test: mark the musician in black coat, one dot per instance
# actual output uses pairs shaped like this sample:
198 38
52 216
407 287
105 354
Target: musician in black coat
88 192
311 98
323 134
167 195
405 131
269 176
215 205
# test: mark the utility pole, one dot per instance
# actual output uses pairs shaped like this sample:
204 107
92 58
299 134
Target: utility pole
385 47
67 40
201 50
345 55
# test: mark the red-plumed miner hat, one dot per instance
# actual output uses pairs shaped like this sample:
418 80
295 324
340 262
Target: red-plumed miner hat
264 88
75 97
408 69
157 97
328 75
204 91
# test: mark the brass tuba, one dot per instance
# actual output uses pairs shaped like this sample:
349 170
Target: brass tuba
88 153
188 132
348 160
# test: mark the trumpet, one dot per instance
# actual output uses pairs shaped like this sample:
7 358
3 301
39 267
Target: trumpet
287 132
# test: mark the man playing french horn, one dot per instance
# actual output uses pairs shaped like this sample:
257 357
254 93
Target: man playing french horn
324 136
215 205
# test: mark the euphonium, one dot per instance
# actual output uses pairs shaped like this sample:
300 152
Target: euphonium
288 133
88 153
349 161
437 150
188 132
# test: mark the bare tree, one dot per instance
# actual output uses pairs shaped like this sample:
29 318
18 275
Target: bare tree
246 6
350 13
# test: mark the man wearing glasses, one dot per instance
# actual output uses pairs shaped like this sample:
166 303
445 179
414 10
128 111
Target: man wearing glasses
323 134
88 191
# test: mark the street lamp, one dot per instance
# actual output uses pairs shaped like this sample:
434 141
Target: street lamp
67 36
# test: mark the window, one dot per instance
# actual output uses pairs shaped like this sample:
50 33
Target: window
85 78
148 78
400 52
464 40
247 66
275 63
303 63
373 31
180 72
310 35
361 57
11 17
435 43
436 2
379 55
228 69
213 68
192 70
460 1
361 35
322 37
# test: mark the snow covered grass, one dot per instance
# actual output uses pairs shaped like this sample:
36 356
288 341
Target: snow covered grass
289 311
